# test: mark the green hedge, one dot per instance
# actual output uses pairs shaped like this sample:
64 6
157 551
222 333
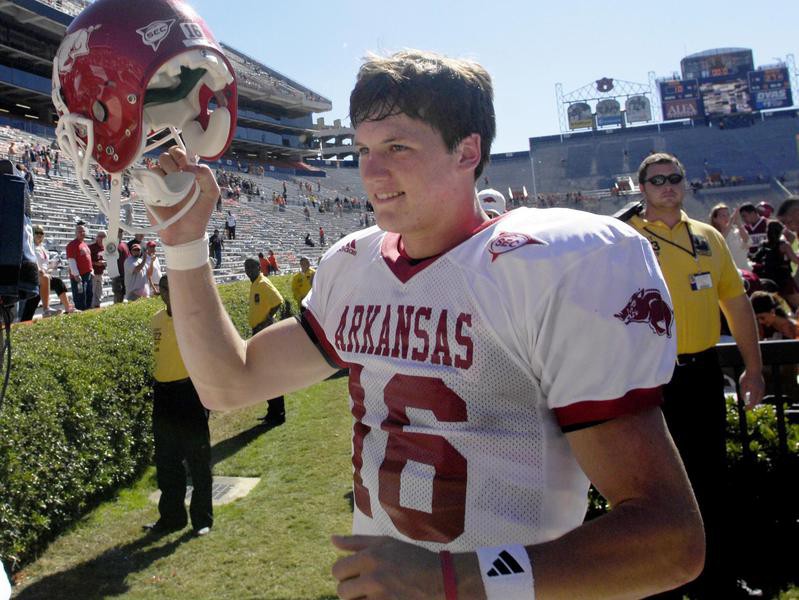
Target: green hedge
76 421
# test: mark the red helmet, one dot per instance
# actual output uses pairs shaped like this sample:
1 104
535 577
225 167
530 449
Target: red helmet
765 209
128 72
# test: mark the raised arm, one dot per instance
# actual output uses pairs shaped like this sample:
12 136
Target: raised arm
227 371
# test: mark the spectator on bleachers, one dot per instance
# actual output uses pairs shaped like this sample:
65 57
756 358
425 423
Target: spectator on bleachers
301 282
307 214
98 265
153 268
321 236
28 175
136 239
80 269
215 244
230 226
774 321
308 241
136 285
773 260
118 282
57 162
734 233
12 151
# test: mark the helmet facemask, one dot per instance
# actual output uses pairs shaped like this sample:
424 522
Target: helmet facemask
184 104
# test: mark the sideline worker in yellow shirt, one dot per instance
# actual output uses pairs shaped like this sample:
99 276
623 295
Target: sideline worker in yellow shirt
701 276
180 430
302 281
265 302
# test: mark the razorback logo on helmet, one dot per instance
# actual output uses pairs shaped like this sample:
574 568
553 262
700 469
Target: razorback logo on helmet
507 241
74 45
155 33
648 306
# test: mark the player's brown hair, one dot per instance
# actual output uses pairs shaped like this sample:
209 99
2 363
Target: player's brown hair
455 97
658 158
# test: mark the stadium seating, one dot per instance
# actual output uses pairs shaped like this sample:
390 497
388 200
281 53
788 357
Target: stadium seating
59 204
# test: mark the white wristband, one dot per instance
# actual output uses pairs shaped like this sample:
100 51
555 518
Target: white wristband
188 256
507 573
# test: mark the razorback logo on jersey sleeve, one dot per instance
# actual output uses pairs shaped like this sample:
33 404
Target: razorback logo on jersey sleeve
508 241
648 306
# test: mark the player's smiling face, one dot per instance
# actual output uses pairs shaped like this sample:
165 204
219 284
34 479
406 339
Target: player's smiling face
407 172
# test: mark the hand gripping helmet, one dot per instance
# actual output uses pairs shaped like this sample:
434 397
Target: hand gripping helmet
132 76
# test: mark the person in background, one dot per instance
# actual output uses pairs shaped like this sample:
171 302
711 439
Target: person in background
153 268
215 245
302 281
118 282
755 225
98 264
265 303
47 282
271 259
135 276
774 321
734 233
80 269
230 224
701 278
773 260
180 432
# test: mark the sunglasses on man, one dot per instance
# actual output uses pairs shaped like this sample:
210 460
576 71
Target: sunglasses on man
658 180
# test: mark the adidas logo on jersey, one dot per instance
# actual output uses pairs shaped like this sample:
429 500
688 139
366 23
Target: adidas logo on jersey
349 248
505 564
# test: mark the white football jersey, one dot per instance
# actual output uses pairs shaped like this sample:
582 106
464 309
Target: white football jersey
467 368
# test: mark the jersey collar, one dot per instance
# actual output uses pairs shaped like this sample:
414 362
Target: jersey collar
403 266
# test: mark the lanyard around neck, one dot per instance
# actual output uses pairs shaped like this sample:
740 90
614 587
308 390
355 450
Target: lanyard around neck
691 252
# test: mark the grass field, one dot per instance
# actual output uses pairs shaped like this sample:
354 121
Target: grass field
273 544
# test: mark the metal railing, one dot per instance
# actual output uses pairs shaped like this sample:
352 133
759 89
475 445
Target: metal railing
778 355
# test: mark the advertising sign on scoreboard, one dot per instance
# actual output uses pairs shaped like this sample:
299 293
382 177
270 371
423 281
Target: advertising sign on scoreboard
638 109
680 99
608 112
580 116
770 88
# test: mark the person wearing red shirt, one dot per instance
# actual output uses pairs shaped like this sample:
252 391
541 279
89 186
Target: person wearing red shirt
272 267
80 269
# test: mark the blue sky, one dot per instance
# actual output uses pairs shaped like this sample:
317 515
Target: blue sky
527 46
